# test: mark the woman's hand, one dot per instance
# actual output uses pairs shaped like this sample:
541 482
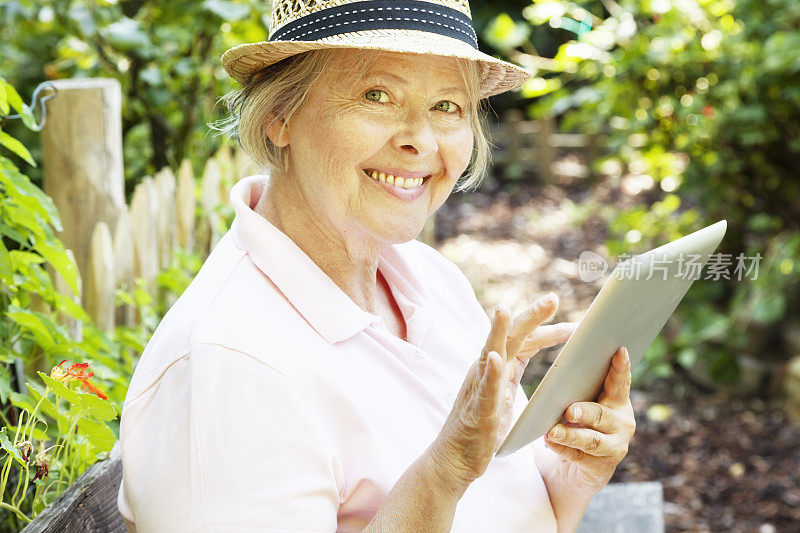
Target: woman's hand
484 408
593 437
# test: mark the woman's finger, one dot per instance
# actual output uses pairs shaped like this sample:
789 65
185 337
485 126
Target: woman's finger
586 440
496 341
488 391
526 322
617 385
594 416
598 465
545 337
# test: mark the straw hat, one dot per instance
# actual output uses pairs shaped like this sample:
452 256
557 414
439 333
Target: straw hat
439 27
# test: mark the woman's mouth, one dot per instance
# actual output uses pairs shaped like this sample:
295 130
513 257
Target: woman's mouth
401 183
406 189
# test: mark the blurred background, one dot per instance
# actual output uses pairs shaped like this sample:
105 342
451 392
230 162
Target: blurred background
644 121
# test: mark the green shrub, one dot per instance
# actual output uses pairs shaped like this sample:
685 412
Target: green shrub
704 98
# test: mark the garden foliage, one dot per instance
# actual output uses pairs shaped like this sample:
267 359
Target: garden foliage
51 432
702 99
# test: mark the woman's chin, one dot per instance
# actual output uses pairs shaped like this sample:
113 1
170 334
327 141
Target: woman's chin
399 235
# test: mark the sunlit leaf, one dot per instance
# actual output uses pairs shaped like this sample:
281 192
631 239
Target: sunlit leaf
60 389
99 435
97 406
17 147
9 447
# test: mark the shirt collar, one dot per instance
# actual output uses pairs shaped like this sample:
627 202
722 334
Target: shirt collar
308 288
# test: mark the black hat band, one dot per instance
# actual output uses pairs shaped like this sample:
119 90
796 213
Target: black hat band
380 15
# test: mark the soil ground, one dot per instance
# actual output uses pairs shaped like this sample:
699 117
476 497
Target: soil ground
726 463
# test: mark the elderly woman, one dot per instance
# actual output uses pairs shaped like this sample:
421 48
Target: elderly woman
325 371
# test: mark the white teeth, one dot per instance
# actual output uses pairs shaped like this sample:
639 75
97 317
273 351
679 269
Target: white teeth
407 183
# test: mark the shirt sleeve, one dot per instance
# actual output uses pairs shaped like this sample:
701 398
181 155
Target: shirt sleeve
224 442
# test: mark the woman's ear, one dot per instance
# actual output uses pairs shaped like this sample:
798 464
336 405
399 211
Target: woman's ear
277 133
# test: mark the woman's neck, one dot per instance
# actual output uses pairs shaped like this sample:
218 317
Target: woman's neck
349 259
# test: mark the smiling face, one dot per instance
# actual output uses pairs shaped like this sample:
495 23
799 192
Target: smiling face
407 117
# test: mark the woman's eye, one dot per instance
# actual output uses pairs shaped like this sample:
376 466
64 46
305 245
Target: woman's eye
376 95
447 106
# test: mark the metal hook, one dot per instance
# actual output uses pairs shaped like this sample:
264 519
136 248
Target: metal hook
43 85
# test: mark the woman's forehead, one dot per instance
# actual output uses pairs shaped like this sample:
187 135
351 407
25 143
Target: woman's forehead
402 67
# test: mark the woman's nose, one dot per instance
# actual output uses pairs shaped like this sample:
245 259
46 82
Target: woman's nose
416 137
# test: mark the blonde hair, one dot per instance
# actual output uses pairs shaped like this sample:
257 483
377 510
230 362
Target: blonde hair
277 91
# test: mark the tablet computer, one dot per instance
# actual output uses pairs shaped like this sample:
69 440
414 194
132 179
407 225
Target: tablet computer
631 308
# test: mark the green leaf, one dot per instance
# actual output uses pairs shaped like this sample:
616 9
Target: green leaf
99 435
770 308
6 268
46 406
17 147
59 389
5 109
126 35
68 306
56 255
14 99
22 186
34 323
9 447
98 407
228 11
5 383
22 401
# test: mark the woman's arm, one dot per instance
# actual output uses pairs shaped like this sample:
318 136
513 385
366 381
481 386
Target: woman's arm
423 499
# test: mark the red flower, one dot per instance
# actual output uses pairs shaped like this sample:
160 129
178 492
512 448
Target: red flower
708 111
77 372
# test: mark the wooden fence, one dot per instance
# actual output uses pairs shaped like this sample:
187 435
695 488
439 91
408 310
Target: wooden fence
527 144
166 213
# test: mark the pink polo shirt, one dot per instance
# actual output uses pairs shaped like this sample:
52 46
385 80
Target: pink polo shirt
267 400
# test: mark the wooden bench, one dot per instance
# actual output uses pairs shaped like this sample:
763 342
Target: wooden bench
90 506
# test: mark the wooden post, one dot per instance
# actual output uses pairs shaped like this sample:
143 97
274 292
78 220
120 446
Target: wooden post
123 265
185 206
166 221
100 279
545 150
144 212
82 152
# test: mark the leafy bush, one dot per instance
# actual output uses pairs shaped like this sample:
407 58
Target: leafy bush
702 99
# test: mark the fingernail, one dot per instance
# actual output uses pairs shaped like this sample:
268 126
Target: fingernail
576 414
550 298
555 432
625 355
